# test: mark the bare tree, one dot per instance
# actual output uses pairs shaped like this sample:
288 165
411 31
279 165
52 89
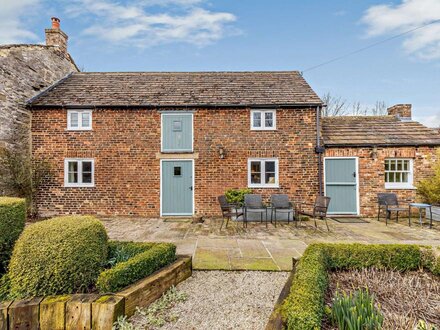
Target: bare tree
337 106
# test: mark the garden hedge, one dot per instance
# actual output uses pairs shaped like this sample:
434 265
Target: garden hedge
303 309
154 257
12 219
58 256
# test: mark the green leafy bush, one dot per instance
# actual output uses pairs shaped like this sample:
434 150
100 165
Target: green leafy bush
122 251
12 219
356 311
5 287
429 189
236 196
58 256
304 306
136 268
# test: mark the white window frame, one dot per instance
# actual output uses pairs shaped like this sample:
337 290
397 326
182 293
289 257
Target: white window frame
263 121
401 185
80 126
79 183
263 173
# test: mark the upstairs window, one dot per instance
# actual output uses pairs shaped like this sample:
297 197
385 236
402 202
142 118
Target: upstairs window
79 173
398 173
79 120
263 120
263 172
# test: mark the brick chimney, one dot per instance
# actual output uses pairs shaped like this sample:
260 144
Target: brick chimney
56 37
401 111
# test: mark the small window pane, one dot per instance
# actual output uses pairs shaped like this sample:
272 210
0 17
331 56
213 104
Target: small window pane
270 178
398 177
256 178
270 166
387 179
74 119
73 177
177 170
177 126
406 165
387 165
392 165
257 119
87 177
85 119
405 177
399 165
255 167
391 177
73 166
87 167
268 119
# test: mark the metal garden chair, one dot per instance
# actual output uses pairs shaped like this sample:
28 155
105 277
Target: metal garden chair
254 204
390 202
280 203
229 210
316 210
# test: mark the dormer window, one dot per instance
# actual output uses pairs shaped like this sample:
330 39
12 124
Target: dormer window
263 120
79 120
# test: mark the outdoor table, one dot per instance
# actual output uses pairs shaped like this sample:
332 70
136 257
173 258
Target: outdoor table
420 206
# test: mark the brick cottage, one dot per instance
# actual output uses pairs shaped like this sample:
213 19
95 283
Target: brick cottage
168 144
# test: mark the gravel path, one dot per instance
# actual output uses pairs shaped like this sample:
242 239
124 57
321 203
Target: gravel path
227 300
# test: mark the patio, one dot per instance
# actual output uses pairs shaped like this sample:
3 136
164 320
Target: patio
257 247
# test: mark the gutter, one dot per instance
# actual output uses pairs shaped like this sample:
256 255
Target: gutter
369 145
319 150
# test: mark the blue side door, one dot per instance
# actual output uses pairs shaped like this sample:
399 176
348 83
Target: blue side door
177 187
341 185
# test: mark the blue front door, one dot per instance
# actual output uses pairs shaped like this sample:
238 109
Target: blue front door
177 187
341 185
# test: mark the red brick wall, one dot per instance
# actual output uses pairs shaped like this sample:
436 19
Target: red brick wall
124 144
371 171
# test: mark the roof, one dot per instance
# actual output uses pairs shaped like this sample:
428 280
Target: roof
376 131
179 89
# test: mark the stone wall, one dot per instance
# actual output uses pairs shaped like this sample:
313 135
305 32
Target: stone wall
371 171
125 145
25 70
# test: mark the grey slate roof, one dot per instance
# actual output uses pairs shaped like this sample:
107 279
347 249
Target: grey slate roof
179 88
376 131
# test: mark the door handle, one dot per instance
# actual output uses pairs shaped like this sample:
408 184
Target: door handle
191 188
354 174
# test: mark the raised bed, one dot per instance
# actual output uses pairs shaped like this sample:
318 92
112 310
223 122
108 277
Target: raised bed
91 311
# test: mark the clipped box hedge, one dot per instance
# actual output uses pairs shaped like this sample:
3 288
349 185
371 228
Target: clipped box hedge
58 256
12 220
147 258
303 309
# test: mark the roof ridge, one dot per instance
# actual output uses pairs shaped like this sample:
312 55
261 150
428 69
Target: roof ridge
183 72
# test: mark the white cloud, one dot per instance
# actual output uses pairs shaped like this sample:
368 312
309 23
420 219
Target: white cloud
152 22
12 29
387 19
429 121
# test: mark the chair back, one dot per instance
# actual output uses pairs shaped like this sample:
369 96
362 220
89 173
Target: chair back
252 201
224 205
280 201
321 206
387 199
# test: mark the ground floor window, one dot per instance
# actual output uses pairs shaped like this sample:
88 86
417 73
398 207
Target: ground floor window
398 173
79 172
263 172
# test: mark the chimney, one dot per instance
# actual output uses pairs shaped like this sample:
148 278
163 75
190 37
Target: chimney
56 37
401 111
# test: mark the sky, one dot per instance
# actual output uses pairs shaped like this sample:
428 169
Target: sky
254 35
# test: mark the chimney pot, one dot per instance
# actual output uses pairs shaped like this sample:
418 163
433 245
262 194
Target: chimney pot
401 111
55 23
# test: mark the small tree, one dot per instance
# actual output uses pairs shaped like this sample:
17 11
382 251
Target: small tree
429 189
24 174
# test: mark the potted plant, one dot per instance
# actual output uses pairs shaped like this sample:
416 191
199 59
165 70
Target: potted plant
429 190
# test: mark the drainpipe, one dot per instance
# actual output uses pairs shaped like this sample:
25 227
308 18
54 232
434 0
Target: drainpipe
319 150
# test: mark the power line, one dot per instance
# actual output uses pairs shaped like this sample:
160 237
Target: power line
369 46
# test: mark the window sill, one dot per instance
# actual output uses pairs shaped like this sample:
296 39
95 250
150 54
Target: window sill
78 129
263 129
79 186
400 187
263 186
177 151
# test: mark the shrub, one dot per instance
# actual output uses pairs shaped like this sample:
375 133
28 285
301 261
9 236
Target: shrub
356 311
136 268
429 189
122 251
236 196
12 219
5 287
58 256
304 306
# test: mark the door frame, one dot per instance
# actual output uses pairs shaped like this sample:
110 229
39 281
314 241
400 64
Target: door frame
357 184
193 185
